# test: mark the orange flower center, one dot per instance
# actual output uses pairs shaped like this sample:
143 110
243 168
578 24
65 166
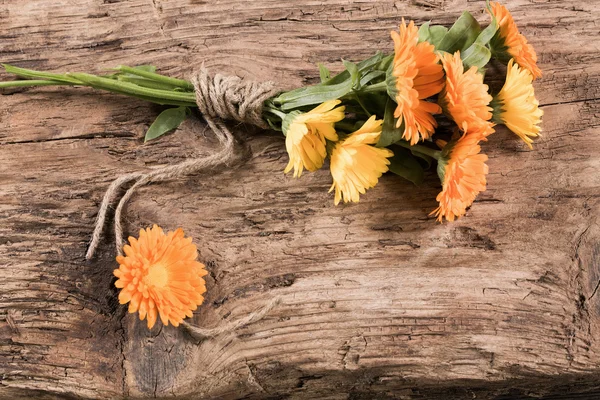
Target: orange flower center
157 276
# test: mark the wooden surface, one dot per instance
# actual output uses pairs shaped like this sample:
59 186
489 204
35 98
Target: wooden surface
379 301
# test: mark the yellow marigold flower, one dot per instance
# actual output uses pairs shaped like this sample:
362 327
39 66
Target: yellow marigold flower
416 75
159 275
510 42
306 134
356 165
465 97
462 170
516 106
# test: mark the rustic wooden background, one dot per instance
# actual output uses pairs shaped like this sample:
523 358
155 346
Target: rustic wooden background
379 301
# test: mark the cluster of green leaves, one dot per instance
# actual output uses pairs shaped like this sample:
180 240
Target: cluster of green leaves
465 36
349 83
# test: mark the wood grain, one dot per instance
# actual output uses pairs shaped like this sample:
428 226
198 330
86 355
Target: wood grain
379 301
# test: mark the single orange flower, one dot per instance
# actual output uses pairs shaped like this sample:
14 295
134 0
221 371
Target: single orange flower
508 42
465 97
462 170
159 275
415 75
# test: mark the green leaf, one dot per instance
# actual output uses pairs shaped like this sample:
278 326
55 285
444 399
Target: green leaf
389 133
404 164
477 55
312 95
324 73
423 159
383 64
375 102
354 72
432 34
488 33
336 87
370 76
437 33
166 121
424 33
369 63
462 34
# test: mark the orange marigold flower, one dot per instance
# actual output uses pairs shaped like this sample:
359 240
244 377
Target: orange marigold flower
356 165
306 134
462 170
415 75
516 106
509 43
465 97
159 275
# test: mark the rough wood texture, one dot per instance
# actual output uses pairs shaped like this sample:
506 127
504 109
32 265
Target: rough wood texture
378 299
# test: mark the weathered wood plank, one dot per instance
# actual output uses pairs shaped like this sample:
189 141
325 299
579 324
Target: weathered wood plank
378 300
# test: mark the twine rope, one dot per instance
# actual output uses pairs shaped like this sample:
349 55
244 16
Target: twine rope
219 98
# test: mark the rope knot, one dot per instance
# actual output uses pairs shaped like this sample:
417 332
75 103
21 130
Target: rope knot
231 97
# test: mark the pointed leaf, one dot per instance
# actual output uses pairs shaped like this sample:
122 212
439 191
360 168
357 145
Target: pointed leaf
324 73
424 33
404 164
370 76
389 133
432 34
166 121
365 65
423 159
477 55
437 33
488 33
312 95
462 34
354 73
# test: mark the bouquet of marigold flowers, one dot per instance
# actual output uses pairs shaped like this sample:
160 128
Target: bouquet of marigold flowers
378 115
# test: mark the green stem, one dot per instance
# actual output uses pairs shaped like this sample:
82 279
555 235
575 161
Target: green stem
275 111
37 75
144 82
421 149
357 97
29 82
133 89
376 87
157 77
